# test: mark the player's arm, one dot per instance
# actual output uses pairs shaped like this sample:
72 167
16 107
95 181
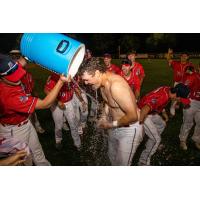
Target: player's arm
144 112
52 95
169 56
79 96
142 75
16 159
22 61
124 97
165 115
104 112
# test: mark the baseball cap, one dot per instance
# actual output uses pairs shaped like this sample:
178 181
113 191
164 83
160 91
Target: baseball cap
10 69
131 52
126 63
107 55
183 92
189 67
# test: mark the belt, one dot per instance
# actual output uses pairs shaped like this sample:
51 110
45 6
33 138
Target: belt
20 124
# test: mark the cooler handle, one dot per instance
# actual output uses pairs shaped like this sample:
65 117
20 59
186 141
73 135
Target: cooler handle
59 47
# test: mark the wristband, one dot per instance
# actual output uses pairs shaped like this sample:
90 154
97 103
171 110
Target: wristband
115 123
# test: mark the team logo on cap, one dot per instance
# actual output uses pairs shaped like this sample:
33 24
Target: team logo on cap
23 98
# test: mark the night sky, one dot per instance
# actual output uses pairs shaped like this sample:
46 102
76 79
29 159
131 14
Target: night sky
184 41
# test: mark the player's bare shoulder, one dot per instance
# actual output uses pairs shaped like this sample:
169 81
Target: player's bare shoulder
118 84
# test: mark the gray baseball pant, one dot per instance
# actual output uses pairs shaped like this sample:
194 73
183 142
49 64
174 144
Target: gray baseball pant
123 143
27 134
70 114
154 125
190 115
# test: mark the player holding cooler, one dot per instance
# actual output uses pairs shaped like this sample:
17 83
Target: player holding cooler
152 105
16 107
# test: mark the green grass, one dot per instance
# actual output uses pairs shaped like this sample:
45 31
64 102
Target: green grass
157 74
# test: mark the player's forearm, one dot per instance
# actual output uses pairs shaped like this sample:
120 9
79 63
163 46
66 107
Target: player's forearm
127 119
105 112
144 112
50 98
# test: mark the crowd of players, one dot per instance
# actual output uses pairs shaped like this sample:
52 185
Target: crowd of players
68 101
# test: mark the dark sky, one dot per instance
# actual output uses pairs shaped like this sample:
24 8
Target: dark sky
184 41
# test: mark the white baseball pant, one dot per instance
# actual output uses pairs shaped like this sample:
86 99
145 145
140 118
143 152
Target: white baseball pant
123 143
154 125
70 114
26 133
190 115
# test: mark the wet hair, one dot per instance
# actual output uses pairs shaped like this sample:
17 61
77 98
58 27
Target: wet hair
91 66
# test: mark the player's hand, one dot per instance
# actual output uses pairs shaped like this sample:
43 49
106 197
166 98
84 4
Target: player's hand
65 79
104 124
170 51
16 159
61 105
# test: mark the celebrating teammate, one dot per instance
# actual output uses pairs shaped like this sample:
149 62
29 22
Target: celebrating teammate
130 77
191 114
137 68
178 72
109 65
64 107
152 105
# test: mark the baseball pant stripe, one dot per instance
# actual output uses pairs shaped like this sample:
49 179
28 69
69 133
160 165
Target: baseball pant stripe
149 155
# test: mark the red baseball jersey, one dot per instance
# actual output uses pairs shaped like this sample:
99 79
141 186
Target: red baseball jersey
133 81
195 90
115 69
28 83
189 80
138 70
156 100
66 92
179 70
15 104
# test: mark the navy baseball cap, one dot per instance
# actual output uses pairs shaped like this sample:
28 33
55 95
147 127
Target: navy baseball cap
183 92
131 52
10 70
107 55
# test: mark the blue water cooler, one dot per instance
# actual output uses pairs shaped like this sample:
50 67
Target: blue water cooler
53 51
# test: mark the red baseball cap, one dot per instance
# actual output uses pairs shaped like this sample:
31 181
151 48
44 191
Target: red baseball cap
10 70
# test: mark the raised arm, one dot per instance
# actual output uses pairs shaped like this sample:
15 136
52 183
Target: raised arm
169 56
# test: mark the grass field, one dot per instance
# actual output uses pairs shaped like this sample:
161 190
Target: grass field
94 153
